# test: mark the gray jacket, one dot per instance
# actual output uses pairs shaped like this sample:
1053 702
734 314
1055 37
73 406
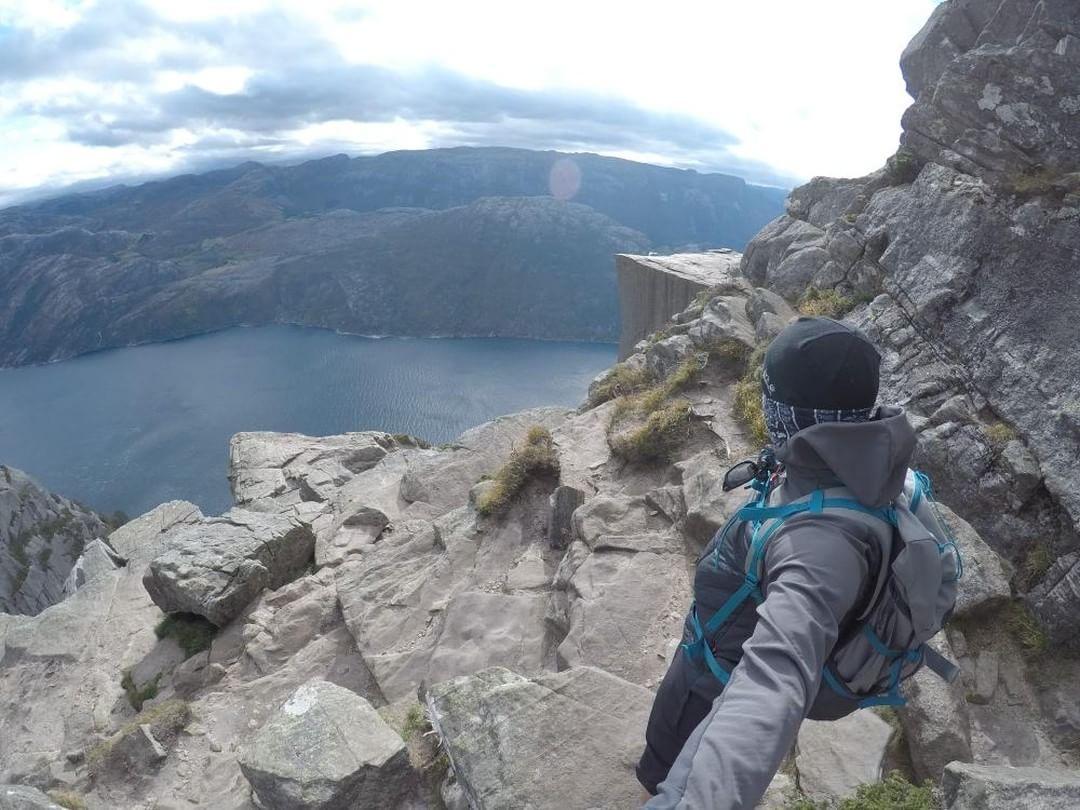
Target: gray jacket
813 577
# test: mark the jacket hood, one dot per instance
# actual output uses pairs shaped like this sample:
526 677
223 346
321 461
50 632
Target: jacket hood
869 458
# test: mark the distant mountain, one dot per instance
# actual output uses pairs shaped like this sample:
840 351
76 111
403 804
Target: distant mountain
440 242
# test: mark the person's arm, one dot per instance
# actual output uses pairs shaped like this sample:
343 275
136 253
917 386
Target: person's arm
814 574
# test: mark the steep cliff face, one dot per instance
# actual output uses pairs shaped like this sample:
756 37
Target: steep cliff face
971 234
652 289
42 535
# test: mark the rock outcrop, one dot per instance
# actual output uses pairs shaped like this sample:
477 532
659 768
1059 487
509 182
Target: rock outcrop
967 242
652 289
42 536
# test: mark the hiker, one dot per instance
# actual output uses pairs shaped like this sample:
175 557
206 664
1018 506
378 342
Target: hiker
817 597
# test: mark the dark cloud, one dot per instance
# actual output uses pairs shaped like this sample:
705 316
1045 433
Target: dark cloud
300 79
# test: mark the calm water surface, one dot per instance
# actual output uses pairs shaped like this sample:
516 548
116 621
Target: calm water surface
130 428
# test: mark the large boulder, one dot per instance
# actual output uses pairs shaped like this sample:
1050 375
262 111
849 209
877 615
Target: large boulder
985 583
834 758
214 568
326 748
999 787
562 739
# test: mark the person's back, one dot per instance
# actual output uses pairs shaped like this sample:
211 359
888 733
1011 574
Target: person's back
747 673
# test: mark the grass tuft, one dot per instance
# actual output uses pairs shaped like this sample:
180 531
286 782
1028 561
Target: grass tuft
193 633
666 421
1023 625
136 696
622 380
998 435
665 429
415 723
1037 562
68 799
166 720
825 303
747 402
536 458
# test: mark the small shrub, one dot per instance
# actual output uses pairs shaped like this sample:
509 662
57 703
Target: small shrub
894 793
825 303
664 430
1026 629
68 799
193 633
536 458
747 401
622 380
136 696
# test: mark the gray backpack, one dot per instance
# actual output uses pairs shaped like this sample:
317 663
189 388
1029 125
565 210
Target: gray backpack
913 596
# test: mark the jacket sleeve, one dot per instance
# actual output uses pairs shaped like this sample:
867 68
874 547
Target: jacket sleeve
814 575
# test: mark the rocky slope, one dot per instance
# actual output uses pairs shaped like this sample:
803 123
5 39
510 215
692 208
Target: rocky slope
446 242
42 535
377 623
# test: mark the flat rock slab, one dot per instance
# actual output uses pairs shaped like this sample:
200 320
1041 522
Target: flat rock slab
215 567
998 787
566 739
836 757
326 748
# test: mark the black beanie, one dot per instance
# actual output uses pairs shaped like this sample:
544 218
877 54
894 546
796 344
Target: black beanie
821 363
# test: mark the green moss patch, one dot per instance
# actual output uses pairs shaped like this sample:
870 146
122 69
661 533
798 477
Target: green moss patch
747 403
1025 628
68 799
166 720
537 458
138 696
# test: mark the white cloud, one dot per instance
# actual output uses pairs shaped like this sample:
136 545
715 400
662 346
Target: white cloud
801 88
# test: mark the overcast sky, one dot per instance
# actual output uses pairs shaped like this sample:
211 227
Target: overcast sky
773 90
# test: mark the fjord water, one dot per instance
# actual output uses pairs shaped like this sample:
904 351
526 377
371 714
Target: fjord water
130 428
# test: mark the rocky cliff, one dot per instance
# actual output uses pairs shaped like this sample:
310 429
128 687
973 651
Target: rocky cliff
42 535
446 242
652 289
377 623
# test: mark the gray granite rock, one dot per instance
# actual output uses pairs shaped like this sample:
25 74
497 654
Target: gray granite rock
564 500
999 787
42 536
510 738
935 720
24 797
214 568
326 748
834 758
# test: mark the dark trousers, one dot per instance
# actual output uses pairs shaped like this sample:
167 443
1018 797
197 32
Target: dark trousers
683 700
